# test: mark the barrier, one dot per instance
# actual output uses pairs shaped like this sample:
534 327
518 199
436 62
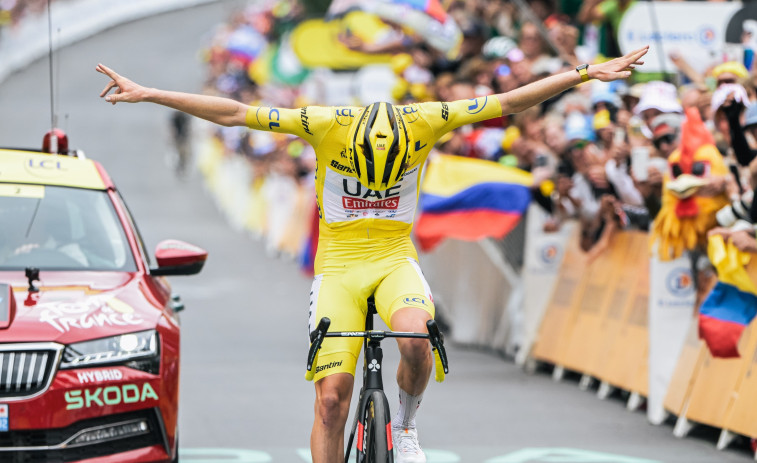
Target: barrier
544 253
592 306
621 359
714 385
671 305
557 317
595 323
740 416
714 391
474 295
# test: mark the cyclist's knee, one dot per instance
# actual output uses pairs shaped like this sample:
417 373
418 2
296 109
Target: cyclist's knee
410 319
416 351
333 395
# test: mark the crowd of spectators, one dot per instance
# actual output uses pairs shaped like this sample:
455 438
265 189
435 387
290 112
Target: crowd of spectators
598 152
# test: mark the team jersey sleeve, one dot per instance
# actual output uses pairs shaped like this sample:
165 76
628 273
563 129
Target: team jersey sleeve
308 122
446 116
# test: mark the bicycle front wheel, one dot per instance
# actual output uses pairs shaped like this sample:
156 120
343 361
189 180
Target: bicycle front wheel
377 436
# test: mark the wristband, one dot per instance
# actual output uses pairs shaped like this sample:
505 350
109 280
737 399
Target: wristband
582 70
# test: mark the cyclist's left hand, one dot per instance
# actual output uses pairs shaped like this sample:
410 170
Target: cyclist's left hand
618 68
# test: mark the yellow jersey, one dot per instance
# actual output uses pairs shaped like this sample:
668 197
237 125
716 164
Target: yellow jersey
346 208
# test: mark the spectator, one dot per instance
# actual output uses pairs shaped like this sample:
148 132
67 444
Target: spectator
657 98
608 13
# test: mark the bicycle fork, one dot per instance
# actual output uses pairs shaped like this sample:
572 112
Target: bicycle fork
372 381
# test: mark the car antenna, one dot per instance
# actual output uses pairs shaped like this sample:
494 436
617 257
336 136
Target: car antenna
55 141
32 273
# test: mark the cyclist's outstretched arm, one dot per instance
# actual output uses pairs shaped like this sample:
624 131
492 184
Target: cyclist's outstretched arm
534 93
446 116
306 122
223 111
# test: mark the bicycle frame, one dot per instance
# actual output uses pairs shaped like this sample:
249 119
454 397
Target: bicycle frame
372 361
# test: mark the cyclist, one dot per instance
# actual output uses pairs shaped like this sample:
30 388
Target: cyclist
367 182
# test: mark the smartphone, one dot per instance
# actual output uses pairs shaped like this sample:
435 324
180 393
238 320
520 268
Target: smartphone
640 163
619 137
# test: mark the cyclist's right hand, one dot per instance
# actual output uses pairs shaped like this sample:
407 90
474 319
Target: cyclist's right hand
126 90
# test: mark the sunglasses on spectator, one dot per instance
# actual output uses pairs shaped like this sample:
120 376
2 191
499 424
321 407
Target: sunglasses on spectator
726 80
667 139
579 144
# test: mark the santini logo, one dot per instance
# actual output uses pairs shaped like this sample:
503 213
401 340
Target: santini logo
320 368
340 167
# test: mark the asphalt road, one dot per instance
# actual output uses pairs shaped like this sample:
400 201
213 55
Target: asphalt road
244 329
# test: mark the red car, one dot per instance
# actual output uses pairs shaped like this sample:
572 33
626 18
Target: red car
89 335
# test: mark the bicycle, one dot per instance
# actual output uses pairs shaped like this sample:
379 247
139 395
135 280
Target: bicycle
372 418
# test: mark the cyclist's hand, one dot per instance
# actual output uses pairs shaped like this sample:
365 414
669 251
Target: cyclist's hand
618 68
126 90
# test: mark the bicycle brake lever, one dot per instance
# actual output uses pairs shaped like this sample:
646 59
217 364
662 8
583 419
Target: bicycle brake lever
437 341
316 339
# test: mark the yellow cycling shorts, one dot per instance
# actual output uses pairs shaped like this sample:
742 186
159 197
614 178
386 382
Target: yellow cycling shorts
341 292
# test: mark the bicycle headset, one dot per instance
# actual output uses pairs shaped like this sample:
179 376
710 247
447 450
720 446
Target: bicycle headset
376 141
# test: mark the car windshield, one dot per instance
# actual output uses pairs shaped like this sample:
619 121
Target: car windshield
60 228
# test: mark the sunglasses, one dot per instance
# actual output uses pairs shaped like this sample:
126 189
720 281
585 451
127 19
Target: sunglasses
579 144
726 81
667 139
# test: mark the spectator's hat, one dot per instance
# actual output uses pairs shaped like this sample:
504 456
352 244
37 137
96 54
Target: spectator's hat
636 90
601 120
659 95
750 118
578 126
730 67
722 92
498 47
546 65
665 124
603 92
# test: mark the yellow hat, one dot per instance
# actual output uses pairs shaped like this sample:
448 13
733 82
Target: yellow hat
601 119
512 133
734 67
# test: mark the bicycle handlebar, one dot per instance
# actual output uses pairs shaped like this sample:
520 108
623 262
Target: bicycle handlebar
434 336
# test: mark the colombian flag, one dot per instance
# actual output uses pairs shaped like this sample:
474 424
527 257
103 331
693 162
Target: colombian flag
731 304
470 199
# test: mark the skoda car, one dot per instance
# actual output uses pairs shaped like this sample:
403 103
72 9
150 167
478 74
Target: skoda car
89 335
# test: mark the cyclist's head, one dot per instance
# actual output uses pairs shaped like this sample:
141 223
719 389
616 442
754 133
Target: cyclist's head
380 146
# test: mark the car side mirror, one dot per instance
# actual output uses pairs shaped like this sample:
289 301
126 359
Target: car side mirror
178 258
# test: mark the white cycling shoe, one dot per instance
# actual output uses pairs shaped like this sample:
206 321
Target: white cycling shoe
406 447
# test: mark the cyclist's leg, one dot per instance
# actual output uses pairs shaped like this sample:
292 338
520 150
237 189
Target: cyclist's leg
336 365
403 299
332 406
